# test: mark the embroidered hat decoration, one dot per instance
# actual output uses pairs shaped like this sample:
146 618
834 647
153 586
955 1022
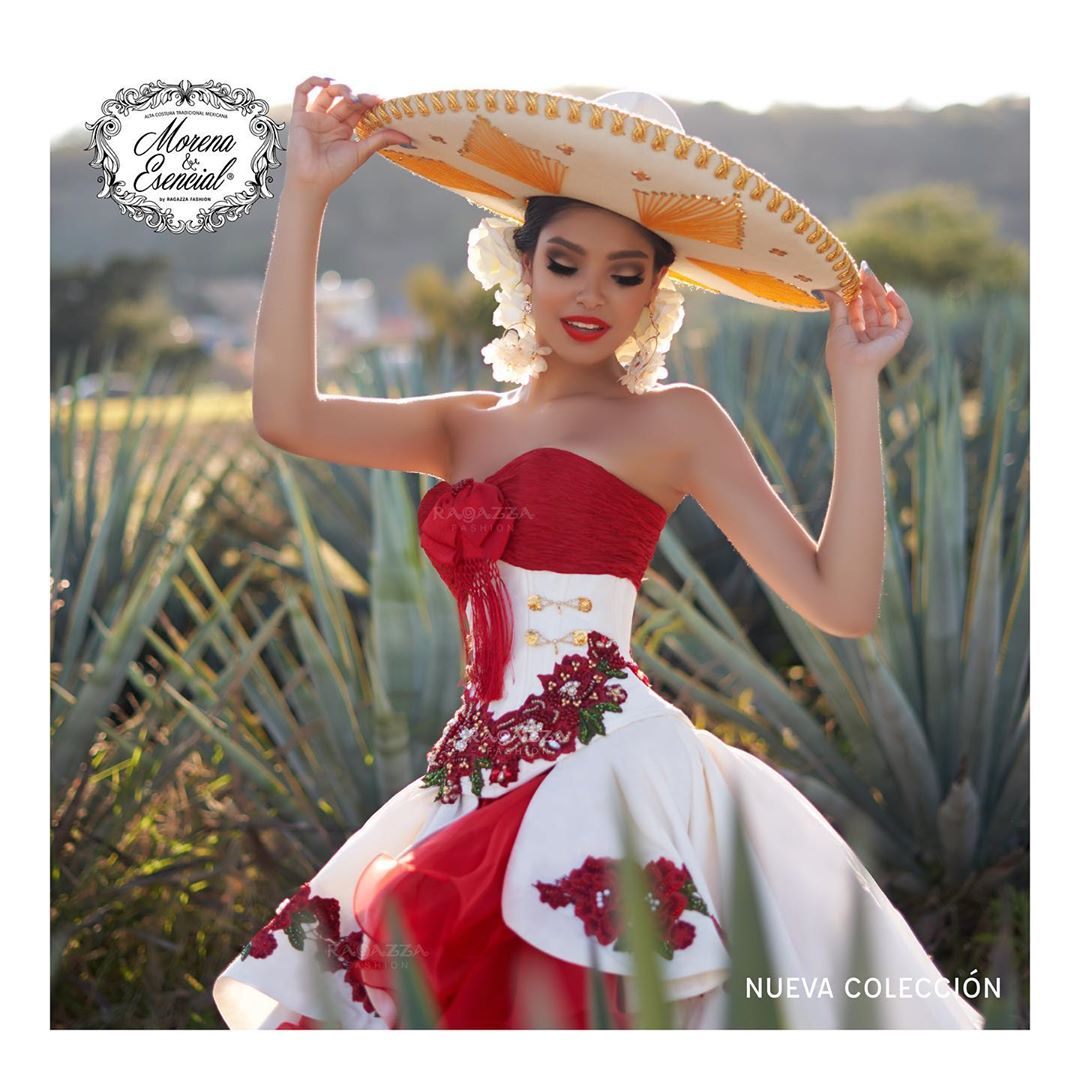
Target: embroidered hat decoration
733 231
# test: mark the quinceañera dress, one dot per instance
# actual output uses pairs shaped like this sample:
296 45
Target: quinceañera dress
503 858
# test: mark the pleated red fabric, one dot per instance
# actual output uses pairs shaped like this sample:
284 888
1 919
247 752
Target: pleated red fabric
519 516
447 892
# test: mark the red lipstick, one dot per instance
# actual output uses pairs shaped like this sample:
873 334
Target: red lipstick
578 334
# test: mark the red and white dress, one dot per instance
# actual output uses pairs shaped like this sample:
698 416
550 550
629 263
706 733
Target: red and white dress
502 858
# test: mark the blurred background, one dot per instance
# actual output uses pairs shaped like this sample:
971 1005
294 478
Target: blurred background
249 653
933 198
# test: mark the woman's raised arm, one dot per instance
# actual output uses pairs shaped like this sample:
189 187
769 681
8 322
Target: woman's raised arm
408 434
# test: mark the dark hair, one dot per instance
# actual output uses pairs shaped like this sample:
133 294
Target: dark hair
540 209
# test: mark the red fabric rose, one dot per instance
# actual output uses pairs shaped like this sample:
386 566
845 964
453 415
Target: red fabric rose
469 520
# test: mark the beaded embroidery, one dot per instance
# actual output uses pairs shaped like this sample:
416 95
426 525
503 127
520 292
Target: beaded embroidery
567 711
332 951
591 888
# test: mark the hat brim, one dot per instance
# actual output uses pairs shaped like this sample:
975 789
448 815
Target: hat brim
733 231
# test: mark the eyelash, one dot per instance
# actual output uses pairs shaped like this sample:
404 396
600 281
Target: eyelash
629 282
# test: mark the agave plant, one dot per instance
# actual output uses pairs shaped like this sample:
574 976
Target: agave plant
925 750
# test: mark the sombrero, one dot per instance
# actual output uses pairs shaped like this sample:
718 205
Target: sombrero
734 232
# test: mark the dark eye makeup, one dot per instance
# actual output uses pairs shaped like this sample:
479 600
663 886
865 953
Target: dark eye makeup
622 279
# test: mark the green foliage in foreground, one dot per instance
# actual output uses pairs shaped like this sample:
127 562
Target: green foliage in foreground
249 655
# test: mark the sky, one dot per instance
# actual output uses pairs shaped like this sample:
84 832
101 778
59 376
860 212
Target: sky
65 59
749 58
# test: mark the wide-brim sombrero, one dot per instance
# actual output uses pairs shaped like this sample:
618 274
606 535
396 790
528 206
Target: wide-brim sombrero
734 232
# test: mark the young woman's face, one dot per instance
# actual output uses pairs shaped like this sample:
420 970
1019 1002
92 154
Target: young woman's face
590 264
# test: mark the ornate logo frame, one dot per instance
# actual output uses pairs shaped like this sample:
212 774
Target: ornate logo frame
232 192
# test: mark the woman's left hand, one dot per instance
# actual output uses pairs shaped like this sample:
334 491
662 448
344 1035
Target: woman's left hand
867 333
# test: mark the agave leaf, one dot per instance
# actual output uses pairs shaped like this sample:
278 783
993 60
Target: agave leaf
412 992
331 616
652 1009
980 738
940 513
747 940
903 742
958 826
121 644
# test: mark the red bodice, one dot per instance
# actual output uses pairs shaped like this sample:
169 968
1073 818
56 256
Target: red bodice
546 509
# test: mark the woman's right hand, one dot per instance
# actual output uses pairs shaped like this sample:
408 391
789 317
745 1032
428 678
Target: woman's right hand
321 152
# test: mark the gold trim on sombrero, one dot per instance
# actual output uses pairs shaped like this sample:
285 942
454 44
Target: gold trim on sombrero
445 175
761 284
700 217
488 146
541 174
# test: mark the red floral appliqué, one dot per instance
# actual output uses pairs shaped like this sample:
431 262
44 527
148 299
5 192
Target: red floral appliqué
332 951
567 711
592 888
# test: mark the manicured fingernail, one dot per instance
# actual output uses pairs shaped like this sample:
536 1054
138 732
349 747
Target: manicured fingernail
817 293
889 288
865 266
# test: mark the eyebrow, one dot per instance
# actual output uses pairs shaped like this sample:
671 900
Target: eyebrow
581 251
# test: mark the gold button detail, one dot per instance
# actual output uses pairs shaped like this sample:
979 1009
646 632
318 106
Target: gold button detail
538 603
574 637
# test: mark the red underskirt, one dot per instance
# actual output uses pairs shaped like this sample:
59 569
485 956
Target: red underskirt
447 890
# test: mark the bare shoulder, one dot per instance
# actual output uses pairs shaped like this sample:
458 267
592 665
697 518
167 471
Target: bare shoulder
673 410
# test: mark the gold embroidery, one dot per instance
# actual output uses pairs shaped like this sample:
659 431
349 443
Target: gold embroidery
762 284
510 97
682 148
551 109
452 102
704 154
618 124
437 105
442 173
488 146
777 251
490 101
640 130
700 217
759 191
596 116
470 101
565 149
573 111
641 174
530 103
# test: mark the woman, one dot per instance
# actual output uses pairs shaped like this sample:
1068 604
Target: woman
502 860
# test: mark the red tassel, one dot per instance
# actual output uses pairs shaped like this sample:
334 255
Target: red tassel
464 534
478 581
